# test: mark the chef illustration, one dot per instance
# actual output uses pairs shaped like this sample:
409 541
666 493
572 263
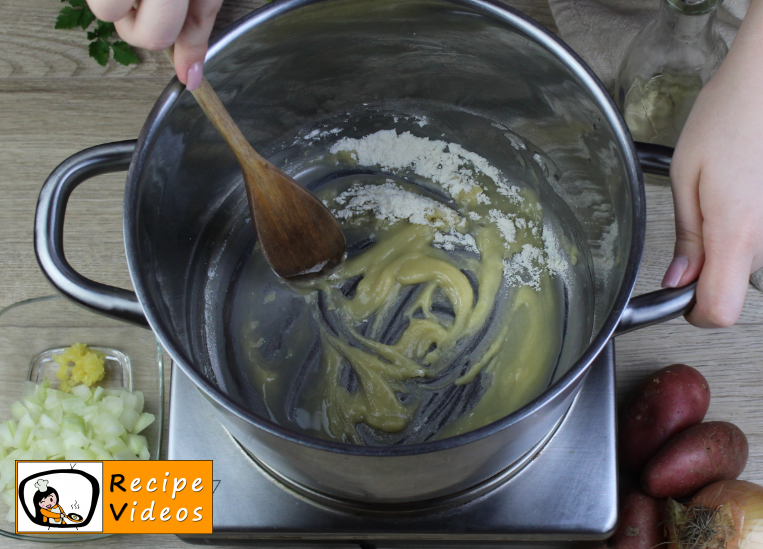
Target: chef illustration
48 511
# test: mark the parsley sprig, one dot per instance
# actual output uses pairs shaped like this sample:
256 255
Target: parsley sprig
78 14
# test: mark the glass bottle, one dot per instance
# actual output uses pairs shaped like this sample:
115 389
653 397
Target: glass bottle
664 68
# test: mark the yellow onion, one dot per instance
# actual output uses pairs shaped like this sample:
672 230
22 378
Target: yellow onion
725 515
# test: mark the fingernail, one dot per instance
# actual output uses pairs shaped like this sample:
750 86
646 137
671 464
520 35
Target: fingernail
676 270
193 79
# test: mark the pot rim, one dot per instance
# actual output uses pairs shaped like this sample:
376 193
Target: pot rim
488 8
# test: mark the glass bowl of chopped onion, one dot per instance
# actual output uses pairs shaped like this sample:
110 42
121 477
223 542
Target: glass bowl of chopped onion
74 386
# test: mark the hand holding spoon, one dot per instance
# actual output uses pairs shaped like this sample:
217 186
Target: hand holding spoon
297 233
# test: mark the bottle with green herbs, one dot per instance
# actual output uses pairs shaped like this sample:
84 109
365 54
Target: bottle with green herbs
665 66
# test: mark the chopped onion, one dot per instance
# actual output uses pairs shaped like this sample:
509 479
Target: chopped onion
7 430
82 391
8 497
128 418
111 404
144 420
115 446
46 422
73 406
88 423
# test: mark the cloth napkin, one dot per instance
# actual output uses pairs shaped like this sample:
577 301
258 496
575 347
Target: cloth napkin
756 279
600 31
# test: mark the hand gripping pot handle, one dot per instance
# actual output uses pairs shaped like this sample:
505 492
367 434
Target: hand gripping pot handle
655 307
49 232
121 304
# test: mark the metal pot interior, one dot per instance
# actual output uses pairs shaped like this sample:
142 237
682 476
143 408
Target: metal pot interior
480 80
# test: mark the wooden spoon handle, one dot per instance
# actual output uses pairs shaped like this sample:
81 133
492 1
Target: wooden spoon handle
210 103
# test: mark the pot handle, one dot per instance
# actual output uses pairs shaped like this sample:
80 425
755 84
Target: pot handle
49 232
654 159
655 307
661 305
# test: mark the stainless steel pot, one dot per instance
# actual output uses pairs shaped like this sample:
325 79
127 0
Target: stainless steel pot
489 76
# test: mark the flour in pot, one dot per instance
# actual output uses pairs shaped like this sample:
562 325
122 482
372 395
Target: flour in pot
444 316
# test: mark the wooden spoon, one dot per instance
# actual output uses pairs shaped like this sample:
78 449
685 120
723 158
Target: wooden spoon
296 232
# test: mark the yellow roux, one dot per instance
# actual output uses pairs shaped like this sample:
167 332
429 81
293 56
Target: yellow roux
516 362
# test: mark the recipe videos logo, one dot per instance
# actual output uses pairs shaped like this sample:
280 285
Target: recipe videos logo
114 497
58 497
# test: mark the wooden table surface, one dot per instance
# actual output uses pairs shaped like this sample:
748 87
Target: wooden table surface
55 101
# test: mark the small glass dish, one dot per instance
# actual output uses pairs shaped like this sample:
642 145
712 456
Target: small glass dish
32 331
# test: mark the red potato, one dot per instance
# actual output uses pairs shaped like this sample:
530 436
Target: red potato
694 458
640 524
669 401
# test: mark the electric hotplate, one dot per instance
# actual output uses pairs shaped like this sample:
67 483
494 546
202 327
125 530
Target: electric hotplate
563 494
